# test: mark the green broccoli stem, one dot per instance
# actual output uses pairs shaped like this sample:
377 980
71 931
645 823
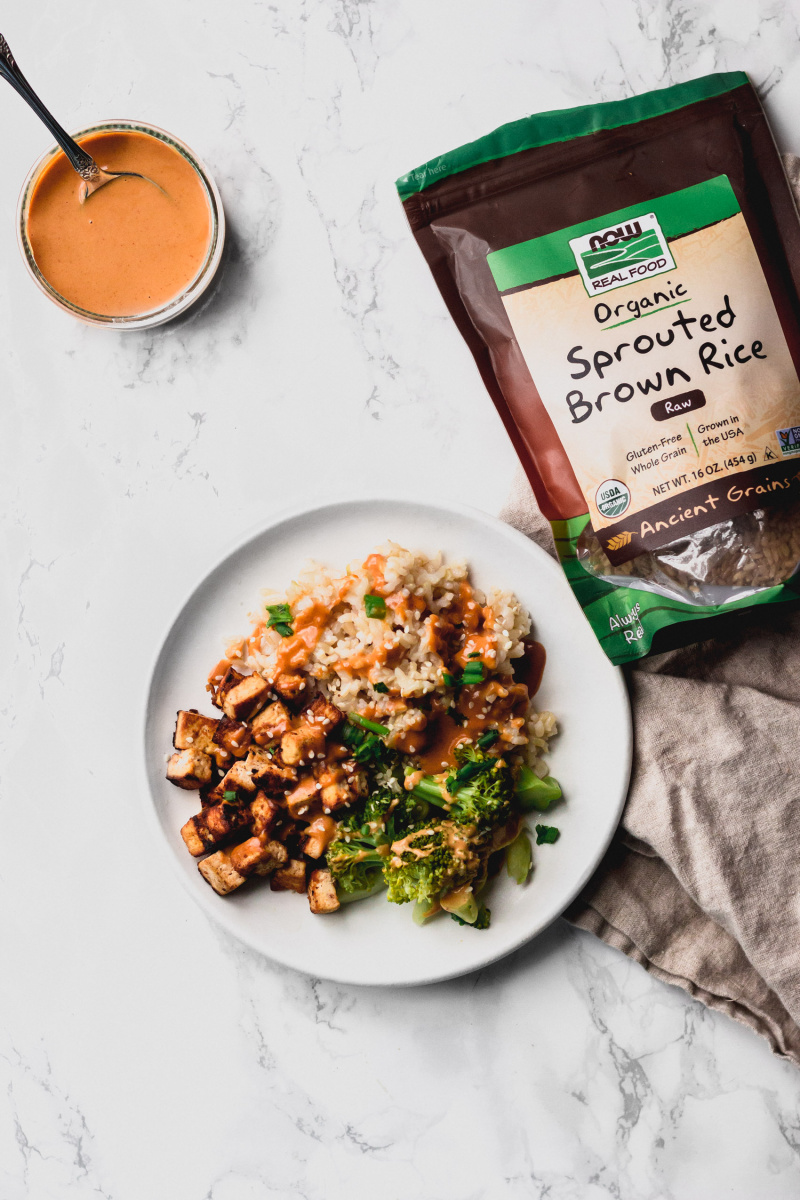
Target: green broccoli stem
519 857
377 885
532 792
466 908
428 789
423 911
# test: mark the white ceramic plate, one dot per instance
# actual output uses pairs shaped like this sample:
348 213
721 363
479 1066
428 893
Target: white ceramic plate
374 942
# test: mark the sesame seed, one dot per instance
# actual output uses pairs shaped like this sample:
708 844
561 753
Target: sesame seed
311 754
318 787
301 686
325 810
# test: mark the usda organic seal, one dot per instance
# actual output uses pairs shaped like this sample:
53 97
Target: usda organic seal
612 498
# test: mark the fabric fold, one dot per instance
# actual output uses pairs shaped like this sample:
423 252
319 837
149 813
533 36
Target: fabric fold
701 884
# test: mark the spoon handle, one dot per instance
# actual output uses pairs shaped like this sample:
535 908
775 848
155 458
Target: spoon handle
83 163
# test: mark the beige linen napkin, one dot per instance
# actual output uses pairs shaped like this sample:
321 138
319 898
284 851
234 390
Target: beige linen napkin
701 884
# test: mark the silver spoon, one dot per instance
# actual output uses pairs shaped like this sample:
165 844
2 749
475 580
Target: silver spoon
93 177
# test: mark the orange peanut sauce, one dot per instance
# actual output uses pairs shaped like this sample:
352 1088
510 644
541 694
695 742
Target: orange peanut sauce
308 622
130 247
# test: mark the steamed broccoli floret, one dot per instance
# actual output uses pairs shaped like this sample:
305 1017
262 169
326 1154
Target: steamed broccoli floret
533 792
354 864
479 792
425 865
378 820
369 815
482 787
384 816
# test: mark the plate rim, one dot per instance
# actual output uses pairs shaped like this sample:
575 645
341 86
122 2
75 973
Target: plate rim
258 530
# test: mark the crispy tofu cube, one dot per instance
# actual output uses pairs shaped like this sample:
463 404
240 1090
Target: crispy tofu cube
238 779
224 685
213 795
268 772
291 878
292 686
318 836
189 769
322 896
219 820
192 731
341 786
257 856
218 871
240 696
275 856
323 712
232 736
272 722
300 799
307 742
265 813
193 839
214 825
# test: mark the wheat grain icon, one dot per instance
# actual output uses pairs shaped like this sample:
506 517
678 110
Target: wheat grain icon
619 540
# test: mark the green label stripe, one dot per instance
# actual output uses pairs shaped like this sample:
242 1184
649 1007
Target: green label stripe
678 213
563 124
604 602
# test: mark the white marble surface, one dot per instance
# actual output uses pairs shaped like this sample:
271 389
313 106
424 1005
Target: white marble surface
142 1055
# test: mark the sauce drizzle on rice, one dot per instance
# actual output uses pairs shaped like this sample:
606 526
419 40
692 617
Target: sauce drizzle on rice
403 669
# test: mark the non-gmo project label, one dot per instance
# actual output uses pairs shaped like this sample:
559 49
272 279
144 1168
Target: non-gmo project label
789 440
612 257
612 498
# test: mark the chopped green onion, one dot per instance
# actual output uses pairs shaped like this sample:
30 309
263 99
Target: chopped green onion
280 612
381 687
487 739
547 834
280 618
375 605
474 654
533 792
372 726
473 673
519 856
230 797
449 680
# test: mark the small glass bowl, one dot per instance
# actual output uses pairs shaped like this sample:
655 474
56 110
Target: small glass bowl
196 287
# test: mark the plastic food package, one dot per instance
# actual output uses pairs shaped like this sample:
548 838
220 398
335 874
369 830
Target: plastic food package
627 277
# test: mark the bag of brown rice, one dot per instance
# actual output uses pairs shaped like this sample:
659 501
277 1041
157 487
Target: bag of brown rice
627 276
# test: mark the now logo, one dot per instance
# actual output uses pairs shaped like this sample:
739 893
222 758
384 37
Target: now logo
613 256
